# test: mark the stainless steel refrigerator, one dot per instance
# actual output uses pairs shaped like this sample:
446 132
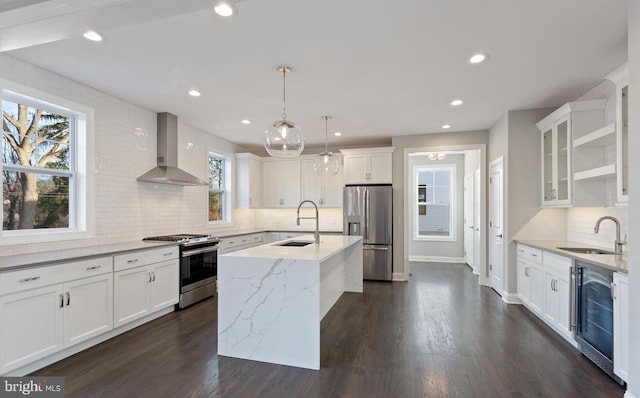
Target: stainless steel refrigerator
368 213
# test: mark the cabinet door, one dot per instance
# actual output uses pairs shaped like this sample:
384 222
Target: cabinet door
255 184
311 182
332 191
290 183
356 169
550 297
537 292
88 309
31 326
271 184
563 291
524 282
380 166
165 284
548 190
563 161
621 326
130 295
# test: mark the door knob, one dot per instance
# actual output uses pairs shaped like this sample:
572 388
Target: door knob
499 236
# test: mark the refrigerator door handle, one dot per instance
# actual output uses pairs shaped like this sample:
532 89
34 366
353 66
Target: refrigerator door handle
384 248
366 214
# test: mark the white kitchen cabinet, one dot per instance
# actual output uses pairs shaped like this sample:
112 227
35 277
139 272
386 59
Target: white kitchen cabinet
249 181
621 325
529 283
556 289
368 165
36 321
621 79
239 242
558 130
281 185
325 191
144 282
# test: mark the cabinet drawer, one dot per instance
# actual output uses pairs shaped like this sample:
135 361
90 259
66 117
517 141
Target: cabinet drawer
561 263
26 279
530 253
144 257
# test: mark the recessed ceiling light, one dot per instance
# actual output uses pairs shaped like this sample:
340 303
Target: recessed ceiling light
457 102
477 58
446 126
224 9
194 93
93 36
337 134
246 121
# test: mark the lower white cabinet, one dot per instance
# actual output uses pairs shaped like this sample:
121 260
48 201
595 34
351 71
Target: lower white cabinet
530 284
143 289
37 322
557 292
621 325
239 242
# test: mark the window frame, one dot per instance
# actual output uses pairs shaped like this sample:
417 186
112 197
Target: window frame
227 204
451 237
81 155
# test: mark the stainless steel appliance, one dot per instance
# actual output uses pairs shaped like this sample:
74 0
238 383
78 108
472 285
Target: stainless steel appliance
368 213
594 315
198 266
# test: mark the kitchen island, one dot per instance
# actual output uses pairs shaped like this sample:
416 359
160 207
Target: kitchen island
271 298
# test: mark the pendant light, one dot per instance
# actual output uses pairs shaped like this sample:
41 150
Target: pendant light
284 138
326 163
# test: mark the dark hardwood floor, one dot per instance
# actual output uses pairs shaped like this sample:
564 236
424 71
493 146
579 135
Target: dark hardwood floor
441 335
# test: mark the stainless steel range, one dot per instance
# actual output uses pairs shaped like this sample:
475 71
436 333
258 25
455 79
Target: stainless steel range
198 265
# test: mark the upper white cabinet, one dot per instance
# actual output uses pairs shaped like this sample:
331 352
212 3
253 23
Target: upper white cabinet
325 191
567 133
368 165
281 185
249 181
621 325
621 79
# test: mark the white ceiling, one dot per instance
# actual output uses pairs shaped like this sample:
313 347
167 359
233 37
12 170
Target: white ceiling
380 68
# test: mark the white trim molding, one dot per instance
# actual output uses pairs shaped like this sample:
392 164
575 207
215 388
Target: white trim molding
399 277
510 298
435 259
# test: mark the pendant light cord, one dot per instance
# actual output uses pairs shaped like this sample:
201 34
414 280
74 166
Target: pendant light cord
284 92
326 124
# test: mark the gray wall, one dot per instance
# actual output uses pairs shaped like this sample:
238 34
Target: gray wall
441 248
633 385
401 143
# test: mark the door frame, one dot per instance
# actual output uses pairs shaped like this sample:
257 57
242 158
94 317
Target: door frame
407 210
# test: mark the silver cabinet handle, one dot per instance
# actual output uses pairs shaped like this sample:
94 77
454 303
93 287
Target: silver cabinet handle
68 298
520 251
61 300
33 278
94 267
613 288
154 276
534 255
135 260
526 271
167 254
499 236
375 248
150 277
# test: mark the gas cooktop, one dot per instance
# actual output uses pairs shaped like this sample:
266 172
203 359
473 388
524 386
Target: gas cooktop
184 238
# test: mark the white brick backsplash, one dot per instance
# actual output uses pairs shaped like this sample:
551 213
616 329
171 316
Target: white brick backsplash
582 220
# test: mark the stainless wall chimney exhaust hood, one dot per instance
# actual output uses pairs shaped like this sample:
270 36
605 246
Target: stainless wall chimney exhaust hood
167 171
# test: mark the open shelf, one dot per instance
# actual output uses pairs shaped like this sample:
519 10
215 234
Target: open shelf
597 173
602 137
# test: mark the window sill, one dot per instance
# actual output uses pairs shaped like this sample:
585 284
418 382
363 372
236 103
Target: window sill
24 237
434 239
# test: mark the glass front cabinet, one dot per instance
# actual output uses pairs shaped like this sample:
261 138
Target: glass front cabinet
556 163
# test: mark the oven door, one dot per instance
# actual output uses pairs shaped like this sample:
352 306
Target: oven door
198 266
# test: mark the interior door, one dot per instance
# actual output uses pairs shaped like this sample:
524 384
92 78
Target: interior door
469 220
496 218
477 261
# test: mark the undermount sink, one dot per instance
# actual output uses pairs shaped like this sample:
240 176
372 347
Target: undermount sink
586 250
296 243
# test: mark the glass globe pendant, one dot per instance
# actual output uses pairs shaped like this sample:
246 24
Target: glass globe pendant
326 163
284 138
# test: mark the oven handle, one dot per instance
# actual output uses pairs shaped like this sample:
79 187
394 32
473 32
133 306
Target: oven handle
190 253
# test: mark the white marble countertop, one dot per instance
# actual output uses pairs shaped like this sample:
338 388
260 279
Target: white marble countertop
615 262
11 263
240 232
329 245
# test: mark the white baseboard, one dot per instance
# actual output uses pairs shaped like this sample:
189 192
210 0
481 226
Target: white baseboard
435 259
398 277
511 298
627 394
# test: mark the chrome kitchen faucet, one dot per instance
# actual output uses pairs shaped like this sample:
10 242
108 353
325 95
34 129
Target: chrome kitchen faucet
619 243
316 233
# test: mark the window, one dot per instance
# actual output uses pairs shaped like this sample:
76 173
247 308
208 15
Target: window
219 188
44 163
434 198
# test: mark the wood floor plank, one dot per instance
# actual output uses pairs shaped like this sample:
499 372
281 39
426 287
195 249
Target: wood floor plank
440 335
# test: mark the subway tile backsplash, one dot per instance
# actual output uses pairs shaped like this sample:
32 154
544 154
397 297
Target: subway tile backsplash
581 221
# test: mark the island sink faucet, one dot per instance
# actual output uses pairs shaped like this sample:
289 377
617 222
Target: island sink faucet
619 243
316 233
